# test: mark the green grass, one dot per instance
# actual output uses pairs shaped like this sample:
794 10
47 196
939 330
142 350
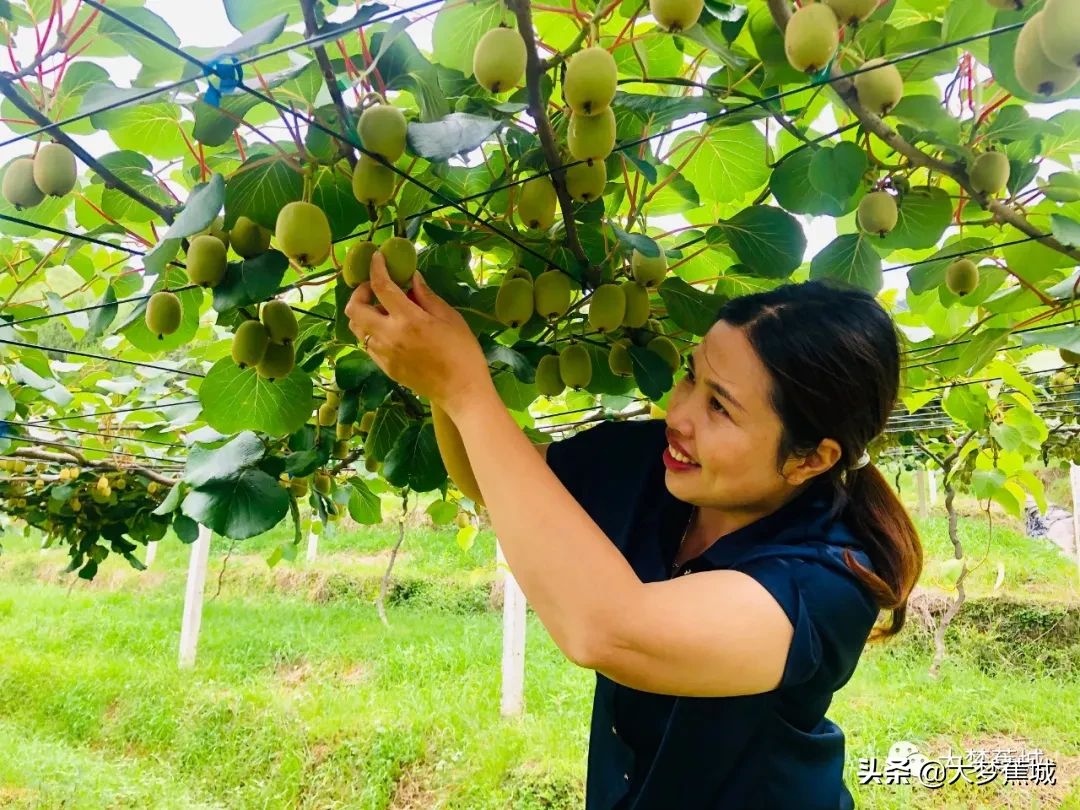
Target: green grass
302 699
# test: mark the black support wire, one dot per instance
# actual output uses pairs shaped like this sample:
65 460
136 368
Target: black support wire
90 308
102 435
99 357
155 407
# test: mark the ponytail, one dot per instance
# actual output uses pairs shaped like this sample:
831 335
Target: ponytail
878 518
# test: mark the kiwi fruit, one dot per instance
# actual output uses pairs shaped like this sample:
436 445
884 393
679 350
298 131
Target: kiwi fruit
591 137
812 37
648 271
372 182
217 229
1059 34
551 294
989 172
249 344
852 12
548 380
303 233
637 304
536 203
455 459
499 60
514 302
575 366
299 487
585 181
591 80
619 358
278 361
333 399
207 261
327 415
371 465
54 170
249 238
321 482
607 307
341 447
664 347
962 276
676 15
400 256
279 321
382 129
1033 69
19 187
877 213
366 421
880 89
517 272
1068 357
462 520
343 432
768 41
163 313
356 269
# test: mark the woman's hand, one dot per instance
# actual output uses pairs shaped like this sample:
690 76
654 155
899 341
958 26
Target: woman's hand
417 338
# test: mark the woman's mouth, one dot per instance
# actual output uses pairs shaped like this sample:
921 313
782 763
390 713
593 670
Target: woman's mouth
677 461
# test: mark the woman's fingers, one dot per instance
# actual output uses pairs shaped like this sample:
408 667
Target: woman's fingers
390 294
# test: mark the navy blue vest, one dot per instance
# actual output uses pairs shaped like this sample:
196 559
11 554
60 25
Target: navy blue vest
770 751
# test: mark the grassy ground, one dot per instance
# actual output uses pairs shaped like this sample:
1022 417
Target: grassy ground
301 699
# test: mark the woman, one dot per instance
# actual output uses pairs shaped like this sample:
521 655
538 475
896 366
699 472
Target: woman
711 688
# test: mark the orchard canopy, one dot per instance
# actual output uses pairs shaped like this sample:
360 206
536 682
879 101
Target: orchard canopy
183 222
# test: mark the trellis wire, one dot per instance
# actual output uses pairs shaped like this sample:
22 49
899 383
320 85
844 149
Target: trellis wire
172 445
154 407
81 449
91 307
99 357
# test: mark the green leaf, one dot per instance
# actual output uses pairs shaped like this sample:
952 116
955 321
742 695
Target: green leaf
791 186
837 171
250 281
364 505
690 308
1035 487
172 500
403 67
414 460
331 191
515 394
101 318
981 350
925 114
248 505
1061 187
7 403
1067 337
206 465
987 482
457 30
158 62
663 110
441 512
159 256
636 241
1065 229
153 129
245 15
924 214
967 404
235 399
851 259
202 206
466 536
250 41
390 421
729 163
186 529
260 188
768 240
457 133
357 373
651 372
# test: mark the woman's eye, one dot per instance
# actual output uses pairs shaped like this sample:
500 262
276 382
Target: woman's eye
716 405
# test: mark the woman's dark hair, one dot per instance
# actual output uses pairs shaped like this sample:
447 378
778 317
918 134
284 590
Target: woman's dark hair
834 357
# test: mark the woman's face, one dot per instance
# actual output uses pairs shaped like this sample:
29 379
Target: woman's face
720 416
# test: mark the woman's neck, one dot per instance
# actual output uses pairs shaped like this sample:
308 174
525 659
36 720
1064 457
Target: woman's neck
710 524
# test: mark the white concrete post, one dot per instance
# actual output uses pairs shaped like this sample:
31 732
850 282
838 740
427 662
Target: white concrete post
193 598
933 486
312 546
1074 483
920 487
513 657
151 552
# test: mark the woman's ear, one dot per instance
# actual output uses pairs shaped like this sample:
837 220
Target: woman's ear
798 471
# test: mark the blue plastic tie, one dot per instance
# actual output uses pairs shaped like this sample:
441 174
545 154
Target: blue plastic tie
230 76
822 75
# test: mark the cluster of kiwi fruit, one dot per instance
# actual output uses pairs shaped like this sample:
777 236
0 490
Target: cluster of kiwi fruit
326 416
267 343
1046 60
49 173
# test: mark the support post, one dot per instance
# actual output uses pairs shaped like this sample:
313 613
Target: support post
151 552
933 486
513 656
1074 483
312 546
920 488
193 598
